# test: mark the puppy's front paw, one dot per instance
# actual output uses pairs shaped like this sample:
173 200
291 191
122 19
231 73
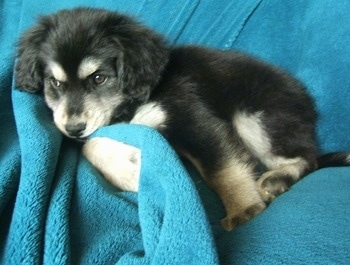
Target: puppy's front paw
119 163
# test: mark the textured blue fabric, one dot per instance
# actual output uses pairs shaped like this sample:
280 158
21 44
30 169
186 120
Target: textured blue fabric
307 225
55 208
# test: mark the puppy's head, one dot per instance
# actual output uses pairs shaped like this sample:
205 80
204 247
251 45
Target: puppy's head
95 67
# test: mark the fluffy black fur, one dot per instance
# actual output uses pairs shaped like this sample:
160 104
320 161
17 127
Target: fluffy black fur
121 43
200 90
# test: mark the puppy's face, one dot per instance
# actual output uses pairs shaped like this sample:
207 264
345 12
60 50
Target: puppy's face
83 98
95 67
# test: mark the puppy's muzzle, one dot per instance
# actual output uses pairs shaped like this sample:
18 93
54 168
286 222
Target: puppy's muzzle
75 130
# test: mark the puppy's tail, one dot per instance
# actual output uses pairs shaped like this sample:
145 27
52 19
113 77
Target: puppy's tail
338 159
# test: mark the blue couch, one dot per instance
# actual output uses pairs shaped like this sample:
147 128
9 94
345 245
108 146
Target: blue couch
56 209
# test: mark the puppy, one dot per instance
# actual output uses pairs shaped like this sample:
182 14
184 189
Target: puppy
223 110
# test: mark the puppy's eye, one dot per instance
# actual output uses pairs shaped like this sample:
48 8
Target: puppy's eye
99 79
54 82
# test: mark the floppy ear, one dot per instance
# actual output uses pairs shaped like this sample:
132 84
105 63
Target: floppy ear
142 60
28 69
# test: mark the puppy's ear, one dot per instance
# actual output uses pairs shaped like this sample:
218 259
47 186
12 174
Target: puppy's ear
28 69
142 60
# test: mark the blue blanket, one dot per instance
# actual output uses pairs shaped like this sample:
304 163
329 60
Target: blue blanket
55 208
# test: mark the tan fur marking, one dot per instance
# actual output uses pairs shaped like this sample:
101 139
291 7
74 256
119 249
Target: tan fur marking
236 186
237 189
87 67
57 71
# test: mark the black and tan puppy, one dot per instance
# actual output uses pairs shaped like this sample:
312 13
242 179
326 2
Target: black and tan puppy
223 110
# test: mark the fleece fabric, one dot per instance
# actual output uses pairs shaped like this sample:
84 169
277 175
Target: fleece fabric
55 208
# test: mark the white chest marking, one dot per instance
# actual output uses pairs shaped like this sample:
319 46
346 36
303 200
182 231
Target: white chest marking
150 114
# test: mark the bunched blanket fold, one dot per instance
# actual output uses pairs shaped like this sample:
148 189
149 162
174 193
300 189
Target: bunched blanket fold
55 208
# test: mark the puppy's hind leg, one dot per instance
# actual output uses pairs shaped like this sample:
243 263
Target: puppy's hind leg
283 173
286 155
236 186
226 167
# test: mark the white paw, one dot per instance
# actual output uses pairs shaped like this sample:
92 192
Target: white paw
119 163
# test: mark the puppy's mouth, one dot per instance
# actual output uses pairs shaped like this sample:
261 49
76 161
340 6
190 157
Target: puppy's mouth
78 131
79 127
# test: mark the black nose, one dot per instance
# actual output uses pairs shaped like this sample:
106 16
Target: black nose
75 130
